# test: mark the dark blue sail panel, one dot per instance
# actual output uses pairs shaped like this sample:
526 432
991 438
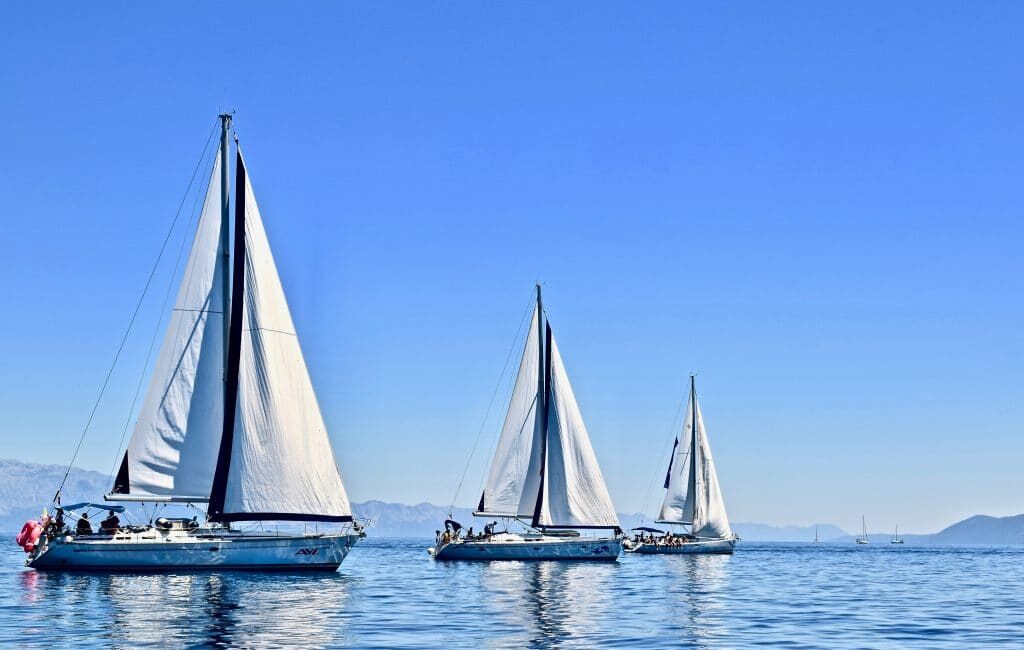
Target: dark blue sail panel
671 458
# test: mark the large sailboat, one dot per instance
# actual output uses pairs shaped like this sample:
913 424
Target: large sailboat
692 498
230 423
544 473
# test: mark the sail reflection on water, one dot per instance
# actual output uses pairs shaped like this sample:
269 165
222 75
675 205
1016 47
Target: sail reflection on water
544 603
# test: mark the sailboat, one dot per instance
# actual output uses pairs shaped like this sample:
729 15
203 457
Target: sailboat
863 539
230 422
544 473
693 497
816 540
896 539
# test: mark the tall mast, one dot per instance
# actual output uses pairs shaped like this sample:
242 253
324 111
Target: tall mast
225 229
693 450
543 377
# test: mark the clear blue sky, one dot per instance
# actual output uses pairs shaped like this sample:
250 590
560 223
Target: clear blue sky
816 207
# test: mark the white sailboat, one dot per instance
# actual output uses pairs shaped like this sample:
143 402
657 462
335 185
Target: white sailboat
896 539
863 539
544 472
693 497
230 421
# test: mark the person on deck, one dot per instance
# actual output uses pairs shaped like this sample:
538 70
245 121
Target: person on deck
110 524
83 527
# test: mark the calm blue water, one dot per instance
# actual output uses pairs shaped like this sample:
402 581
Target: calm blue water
388 593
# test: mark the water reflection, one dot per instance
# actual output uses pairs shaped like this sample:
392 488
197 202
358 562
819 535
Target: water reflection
198 610
698 585
549 604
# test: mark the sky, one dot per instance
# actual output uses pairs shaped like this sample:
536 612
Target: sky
816 207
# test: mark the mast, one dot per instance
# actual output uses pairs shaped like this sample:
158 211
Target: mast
234 347
693 450
543 384
225 231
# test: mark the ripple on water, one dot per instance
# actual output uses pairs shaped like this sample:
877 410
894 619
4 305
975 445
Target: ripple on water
389 594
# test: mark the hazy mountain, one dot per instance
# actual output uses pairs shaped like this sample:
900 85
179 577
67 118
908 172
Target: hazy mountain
26 487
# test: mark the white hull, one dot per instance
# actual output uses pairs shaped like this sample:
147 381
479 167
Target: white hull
153 550
711 546
508 546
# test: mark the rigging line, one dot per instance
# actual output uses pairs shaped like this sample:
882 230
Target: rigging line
487 413
131 321
655 474
159 321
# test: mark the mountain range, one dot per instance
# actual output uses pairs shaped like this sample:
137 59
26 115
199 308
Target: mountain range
26 487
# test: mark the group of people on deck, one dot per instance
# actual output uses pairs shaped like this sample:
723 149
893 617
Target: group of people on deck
453 532
108 526
668 539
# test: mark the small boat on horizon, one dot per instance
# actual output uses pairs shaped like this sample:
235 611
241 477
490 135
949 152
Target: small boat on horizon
896 539
816 540
863 539
230 424
693 497
544 474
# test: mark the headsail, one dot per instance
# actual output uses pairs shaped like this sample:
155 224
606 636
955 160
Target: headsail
173 449
694 496
511 488
275 461
575 495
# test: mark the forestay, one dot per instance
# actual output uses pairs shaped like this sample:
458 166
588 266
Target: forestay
173 448
281 463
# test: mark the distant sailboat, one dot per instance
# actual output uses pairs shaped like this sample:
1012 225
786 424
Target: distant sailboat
816 540
896 539
863 539
544 472
230 421
693 497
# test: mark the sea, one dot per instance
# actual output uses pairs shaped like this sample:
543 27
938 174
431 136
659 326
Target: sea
390 594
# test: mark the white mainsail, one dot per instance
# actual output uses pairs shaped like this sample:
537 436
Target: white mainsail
173 448
545 468
693 495
281 463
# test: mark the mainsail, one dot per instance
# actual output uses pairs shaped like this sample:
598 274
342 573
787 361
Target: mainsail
693 495
544 467
231 415
173 449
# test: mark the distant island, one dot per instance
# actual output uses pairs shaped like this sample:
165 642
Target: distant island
26 487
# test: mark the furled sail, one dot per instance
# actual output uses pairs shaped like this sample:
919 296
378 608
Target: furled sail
173 449
276 460
514 477
693 495
575 495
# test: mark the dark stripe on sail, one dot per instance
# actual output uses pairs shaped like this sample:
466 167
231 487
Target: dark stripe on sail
121 483
278 516
671 459
545 409
480 506
220 475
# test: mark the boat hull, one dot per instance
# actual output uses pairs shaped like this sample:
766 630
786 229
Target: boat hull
520 548
703 547
207 552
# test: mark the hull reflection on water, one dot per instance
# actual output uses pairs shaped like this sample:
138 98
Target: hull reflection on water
207 609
